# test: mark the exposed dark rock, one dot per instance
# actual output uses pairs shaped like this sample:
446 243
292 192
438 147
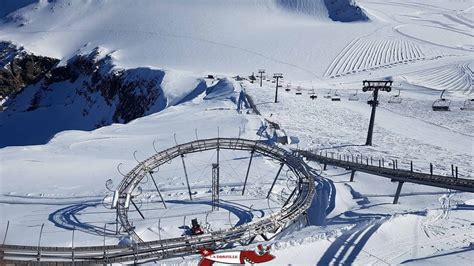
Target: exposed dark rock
345 11
20 69
84 93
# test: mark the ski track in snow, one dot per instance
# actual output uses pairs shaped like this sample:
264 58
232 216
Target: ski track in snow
362 228
455 77
386 53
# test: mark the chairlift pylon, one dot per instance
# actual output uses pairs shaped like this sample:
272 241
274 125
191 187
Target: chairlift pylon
468 105
395 98
441 104
354 97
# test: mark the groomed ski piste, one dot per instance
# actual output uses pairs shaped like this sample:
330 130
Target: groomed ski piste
423 46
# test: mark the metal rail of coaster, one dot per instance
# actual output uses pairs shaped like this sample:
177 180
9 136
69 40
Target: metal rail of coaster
296 204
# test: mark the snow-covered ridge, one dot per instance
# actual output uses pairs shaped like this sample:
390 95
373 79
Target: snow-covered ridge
340 10
88 91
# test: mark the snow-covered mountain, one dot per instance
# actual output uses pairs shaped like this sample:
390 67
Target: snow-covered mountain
90 87
197 36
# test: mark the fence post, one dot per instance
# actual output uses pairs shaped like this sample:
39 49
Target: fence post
456 173
452 170
6 232
105 256
431 169
72 244
39 243
411 166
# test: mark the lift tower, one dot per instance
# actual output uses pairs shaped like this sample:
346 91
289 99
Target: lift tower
375 86
215 186
277 76
261 71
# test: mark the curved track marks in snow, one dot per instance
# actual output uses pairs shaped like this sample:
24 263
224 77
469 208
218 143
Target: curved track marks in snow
455 77
365 54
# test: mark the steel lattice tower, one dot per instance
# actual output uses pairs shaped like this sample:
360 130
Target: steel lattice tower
215 186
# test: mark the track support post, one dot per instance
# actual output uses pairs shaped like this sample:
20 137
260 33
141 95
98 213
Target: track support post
397 194
136 208
157 189
274 180
352 175
186 175
215 186
248 171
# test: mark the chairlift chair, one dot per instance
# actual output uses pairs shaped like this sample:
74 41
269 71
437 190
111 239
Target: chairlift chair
336 97
196 228
395 98
441 104
354 97
328 95
298 90
370 100
468 105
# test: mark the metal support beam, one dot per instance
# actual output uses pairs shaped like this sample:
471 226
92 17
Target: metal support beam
291 195
157 189
352 175
72 244
105 252
277 76
274 180
248 171
186 175
397 194
261 71
39 243
374 86
116 222
136 208
215 186
8 225
372 119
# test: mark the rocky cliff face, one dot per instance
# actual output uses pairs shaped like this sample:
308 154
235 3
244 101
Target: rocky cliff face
19 69
84 92
27 76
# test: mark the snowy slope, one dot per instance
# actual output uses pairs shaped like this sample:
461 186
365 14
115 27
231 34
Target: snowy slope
424 45
204 36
